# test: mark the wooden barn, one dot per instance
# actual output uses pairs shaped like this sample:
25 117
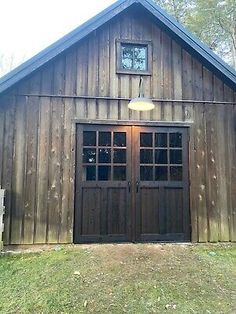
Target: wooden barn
79 166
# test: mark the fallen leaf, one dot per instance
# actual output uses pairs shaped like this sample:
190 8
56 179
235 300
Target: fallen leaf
170 306
212 253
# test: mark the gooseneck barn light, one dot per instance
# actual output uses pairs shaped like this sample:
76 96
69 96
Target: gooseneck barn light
141 103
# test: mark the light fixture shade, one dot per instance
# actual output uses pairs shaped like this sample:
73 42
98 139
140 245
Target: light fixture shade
141 104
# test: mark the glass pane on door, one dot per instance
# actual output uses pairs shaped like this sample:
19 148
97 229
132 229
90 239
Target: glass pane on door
107 151
161 156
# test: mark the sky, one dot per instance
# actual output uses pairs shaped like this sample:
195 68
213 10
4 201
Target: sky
29 26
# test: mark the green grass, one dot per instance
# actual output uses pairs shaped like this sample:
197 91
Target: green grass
141 278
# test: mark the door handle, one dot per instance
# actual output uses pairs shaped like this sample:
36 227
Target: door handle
129 186
137 186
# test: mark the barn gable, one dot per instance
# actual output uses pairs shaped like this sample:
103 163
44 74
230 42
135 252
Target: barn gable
46 102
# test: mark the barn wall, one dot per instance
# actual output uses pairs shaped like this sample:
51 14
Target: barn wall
37 134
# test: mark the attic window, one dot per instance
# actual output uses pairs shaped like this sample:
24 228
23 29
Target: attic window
133 57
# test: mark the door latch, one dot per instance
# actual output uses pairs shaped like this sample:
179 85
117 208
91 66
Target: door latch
129 186
137 186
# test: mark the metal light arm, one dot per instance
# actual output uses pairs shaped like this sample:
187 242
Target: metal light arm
141 103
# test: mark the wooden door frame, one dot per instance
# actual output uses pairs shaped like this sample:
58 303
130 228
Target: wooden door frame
154 123
172 124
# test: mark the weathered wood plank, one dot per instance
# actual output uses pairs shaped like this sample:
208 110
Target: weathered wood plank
230 154
167 73
59 74
222 202
187 66
211 142
103 72
82 80
18 171
8 150
32 117
68 164
124 84
157 72
198 169
177 80
44 139
93 69
44 142
55 173
114 34
197 156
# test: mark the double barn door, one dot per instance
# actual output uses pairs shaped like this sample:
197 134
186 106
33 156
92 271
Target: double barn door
131 184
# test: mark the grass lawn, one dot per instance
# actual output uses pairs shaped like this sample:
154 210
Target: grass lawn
123 278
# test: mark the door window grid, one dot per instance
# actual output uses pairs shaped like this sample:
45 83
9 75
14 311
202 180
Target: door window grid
104 156
161 157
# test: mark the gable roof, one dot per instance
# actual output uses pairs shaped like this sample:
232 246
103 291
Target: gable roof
190 43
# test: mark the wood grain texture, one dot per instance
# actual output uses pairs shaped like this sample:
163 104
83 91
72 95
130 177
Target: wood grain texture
167 77
82 80
230 149
114 35
7 164
55 173
212 159
157 74
18 171
197 169
222 202
44 142
125 81
93 72
177 81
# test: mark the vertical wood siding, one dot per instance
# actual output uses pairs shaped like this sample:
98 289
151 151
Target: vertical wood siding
37 134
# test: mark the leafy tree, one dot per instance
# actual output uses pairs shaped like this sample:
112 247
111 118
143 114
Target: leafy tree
213 21
9 62
180 9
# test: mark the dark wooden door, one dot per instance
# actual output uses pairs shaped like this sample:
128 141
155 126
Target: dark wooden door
103 184
162 184
131 184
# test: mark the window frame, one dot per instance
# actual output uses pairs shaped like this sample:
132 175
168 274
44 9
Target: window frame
145 43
